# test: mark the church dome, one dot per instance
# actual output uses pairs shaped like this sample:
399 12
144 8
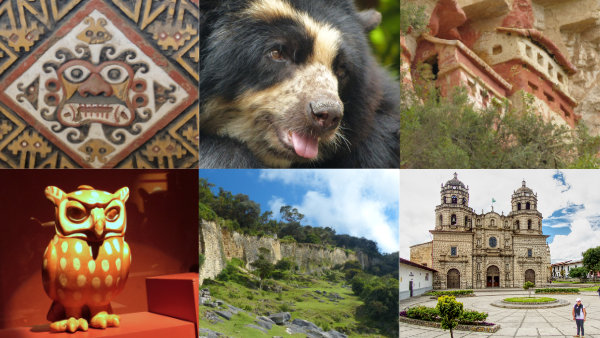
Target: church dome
455 182
524 189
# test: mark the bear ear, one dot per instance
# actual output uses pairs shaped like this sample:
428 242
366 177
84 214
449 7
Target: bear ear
369 19
207 5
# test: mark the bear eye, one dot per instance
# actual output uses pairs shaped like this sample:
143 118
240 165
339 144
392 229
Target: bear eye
276 55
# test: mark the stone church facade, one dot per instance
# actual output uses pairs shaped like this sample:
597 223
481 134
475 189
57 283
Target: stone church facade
471 250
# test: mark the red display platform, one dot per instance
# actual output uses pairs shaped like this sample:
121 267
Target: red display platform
133 325
174 295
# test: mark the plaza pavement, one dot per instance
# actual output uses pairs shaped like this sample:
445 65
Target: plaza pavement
554 322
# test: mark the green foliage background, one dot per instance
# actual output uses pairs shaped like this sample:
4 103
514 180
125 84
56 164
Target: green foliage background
385 39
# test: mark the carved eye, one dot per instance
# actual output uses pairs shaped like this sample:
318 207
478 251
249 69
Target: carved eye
76 212
114 74
112 214
76 73
277 55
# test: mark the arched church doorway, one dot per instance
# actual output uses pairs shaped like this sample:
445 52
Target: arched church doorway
453 281
530 276
493 277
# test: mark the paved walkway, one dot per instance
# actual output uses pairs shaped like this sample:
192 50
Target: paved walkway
555 322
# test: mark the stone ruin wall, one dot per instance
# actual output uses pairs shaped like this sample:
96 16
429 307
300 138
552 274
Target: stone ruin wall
220 245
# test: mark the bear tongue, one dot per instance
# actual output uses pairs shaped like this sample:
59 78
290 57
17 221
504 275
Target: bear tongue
305 146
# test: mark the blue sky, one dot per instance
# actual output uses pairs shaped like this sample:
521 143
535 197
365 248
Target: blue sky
569 201
362 203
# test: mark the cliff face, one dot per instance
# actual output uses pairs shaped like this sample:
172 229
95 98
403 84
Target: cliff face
568 30
219 245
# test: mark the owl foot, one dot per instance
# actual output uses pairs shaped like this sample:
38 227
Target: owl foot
102 320
69 325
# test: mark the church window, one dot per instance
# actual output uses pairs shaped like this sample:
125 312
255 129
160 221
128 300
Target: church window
441 218
453 219
454 199
518 206
464 201
529 253
493 222
529 224
527 205
466 220
427 276
517 225
493 242
453 251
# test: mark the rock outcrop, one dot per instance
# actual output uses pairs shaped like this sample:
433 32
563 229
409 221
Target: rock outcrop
557 40
220 245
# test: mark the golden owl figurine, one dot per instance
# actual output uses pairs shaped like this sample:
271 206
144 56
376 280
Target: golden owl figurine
87 262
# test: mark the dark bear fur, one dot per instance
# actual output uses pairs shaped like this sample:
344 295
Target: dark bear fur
237 61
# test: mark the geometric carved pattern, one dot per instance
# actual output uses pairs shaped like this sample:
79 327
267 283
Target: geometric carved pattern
99 83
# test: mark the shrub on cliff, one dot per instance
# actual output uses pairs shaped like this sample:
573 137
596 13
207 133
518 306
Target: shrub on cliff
206 213
449 132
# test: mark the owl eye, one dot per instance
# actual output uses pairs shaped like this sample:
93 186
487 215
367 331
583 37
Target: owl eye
76 212
112 214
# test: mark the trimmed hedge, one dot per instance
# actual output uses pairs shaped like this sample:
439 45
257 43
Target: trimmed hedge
450 293
557 290
432 315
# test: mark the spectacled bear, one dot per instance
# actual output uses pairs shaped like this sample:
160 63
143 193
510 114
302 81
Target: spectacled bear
292 83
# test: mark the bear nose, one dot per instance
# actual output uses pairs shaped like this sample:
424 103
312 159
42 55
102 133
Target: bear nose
326 114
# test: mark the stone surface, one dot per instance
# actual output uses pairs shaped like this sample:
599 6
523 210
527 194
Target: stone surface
264 324
280 318
260 328
225 314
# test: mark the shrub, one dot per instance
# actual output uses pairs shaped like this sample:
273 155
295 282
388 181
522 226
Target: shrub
423 313
285 264
450 293
206 213
472 317
557 290
468 317
201 259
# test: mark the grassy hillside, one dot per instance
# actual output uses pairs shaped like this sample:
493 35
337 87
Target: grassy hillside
327 301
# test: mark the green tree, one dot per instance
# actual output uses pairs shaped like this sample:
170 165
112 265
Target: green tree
450 310
527 286
591 260
449 132
578 272
262 266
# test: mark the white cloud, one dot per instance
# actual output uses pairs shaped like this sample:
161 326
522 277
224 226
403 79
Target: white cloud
581 238
275 204
354 202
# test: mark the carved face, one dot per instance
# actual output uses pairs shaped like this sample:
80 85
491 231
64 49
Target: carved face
94 93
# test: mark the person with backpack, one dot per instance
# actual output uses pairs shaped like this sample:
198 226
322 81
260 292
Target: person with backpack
579 315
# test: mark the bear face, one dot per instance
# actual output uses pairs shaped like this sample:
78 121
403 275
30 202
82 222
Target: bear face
290 80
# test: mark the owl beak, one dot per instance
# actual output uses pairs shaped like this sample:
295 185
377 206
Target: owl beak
99 221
